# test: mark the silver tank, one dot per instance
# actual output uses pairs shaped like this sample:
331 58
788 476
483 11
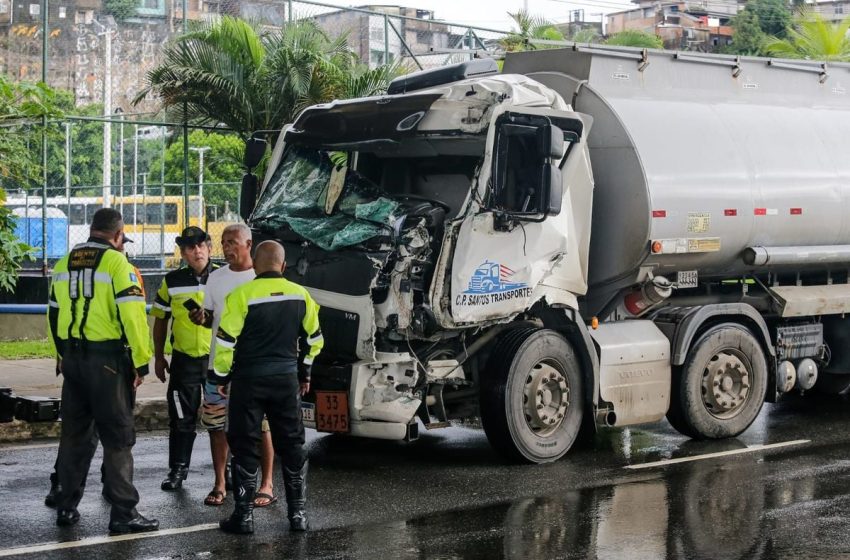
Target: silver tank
728 153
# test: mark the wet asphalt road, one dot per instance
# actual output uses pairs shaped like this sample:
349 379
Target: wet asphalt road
447 496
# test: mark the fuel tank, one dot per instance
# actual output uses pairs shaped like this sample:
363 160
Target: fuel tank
697 158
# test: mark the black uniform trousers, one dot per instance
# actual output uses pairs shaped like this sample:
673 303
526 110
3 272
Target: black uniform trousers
185 386
277 396
98 394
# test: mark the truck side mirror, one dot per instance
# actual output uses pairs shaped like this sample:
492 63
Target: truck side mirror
248 195
527 182
553 184
255 149
552 141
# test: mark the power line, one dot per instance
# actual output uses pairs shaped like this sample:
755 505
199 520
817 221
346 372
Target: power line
600 4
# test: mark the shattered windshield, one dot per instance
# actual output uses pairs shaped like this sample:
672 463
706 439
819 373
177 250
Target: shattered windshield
325 203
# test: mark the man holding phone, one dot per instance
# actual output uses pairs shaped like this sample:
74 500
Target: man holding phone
182 292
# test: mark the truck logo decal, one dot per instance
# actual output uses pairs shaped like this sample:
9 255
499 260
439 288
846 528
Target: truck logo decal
491 282
492 278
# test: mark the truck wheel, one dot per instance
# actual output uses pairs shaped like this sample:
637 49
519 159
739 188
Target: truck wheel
531 396
720 388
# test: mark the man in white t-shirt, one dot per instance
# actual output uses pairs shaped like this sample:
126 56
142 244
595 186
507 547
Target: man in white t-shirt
236 245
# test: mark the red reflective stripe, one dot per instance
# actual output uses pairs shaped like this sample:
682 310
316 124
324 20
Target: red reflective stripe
796 211
659 213
761 211
730 212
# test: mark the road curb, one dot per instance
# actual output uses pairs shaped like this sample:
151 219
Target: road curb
150 414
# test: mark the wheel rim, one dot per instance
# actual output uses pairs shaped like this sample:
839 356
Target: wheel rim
546 397
726 383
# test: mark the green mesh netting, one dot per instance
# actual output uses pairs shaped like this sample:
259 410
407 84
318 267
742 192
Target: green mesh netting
297 196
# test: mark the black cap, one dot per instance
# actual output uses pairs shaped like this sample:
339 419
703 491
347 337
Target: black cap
192 235
127 239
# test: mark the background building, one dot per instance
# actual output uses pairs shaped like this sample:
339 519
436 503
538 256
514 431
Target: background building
700 26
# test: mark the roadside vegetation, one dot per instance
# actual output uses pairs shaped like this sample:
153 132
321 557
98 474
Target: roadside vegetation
232 73
22 104
768 28
26 349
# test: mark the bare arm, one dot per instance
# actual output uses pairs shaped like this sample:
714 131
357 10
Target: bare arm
160 332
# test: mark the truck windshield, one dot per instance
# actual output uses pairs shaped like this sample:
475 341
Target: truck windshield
325 203
318 194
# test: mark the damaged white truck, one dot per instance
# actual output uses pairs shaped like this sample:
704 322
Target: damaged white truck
591 237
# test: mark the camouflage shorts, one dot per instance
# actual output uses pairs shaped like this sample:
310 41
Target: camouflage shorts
214 410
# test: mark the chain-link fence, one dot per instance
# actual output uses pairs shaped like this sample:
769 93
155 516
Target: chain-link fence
96 53
141 176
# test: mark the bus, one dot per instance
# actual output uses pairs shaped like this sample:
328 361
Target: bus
153 222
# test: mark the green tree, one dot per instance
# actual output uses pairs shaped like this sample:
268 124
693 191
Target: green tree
528 28
635 38
21 105
222 167
86 150
86 146
812 37
230 73
747 37
120 9
774 16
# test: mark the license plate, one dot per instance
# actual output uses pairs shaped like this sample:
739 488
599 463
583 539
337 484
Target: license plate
687 279
308 412
332 411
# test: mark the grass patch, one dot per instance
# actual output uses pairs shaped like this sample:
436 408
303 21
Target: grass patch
23 349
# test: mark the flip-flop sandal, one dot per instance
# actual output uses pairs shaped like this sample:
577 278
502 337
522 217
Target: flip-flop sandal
262 495
214 498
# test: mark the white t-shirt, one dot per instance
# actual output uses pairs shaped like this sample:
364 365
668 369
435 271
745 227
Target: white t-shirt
221 282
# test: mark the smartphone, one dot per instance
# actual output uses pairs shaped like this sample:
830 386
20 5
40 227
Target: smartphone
191 305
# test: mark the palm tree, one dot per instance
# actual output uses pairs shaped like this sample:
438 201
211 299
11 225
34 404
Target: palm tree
528 28
588 35
228 72
814 38
635 38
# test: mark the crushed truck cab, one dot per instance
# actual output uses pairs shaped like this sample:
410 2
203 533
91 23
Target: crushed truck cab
544 249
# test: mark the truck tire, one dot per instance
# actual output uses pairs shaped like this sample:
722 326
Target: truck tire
531 396
719 390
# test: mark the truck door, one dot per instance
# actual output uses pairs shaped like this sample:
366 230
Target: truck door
520 226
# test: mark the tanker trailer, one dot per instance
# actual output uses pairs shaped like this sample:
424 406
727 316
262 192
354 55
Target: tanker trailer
721 214
594 237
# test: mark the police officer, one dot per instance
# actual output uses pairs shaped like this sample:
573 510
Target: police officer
181 292
50 499
265 323
96 305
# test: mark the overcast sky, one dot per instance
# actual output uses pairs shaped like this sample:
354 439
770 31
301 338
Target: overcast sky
493 13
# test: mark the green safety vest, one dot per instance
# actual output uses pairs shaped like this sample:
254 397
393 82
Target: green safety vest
177 287
97 296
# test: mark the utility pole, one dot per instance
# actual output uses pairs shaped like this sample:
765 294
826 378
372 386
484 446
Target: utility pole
106 31
120 111
68 184
107 126
135 172
201 150
45 30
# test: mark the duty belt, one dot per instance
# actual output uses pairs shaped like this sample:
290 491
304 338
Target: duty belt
104 346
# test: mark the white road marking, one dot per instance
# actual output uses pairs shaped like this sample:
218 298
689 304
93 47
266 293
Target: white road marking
25 447
46 547
748 449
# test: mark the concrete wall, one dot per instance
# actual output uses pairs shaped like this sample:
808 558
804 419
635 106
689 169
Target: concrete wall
22 326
